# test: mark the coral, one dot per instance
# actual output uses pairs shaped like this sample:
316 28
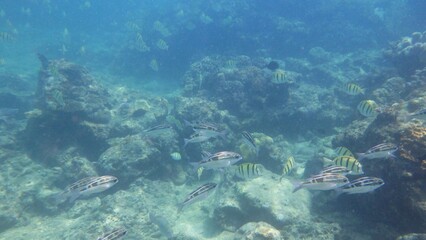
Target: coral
257 231
413 143
408 54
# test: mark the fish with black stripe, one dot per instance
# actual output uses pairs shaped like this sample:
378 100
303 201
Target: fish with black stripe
353 89
288 166
348 162
327 181
198 194
249 140
343 151
362 185
249 170
368 108
114 234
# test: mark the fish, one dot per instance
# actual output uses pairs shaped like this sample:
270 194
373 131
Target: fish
209 129
362 185
272 65
287 167
336 169
343 151
249 170
154 65
200 172
157 130
198 194
218 160
85 187
161 44
162 224
196 138
383 150
4 36
114 234
353 89
249 140
367 108
323 182
140 44
279 76
176 156
350 163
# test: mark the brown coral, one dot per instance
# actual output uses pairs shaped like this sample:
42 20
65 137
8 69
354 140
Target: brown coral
413 143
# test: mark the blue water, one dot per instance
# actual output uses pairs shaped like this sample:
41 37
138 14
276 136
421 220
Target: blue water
164 62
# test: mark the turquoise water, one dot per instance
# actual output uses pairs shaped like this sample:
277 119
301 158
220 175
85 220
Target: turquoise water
158 94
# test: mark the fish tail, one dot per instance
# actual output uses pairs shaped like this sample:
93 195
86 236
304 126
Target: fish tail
58 198
186 141
327 161
360 156
223 134
187 123
297 186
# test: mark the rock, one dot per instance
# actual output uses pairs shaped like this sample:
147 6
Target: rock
130 157
257 231
262 199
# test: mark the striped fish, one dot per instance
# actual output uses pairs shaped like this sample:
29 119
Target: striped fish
353 89
279 76
420 114
6 36
367 108
383 150
85 187
362 185
114 234
249 170
157 130
326 181
288 166
198 194
218 160
249 140
350 163
336 169
343 151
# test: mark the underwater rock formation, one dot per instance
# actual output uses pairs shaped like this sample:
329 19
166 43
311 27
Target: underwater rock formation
408 54
257 231
262 199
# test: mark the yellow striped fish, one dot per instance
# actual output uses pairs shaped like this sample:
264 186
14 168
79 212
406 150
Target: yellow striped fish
349 163
353 89
279 76
367 108
200 172
343 151
161 44
249 170
288 166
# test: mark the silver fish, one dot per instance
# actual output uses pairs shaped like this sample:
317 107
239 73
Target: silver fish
383 150
218 160
362 185
85 187
325 181
197 137
157 130
336 169
114 234
208 129
198 194
249 140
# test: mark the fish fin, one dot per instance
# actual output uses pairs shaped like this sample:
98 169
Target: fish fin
338 192
223 134
187 123
186 141
360 156
392 155
195 165
58 198
327 161
296 186
74 195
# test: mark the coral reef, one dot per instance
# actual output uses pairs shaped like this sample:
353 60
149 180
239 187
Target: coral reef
408 54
